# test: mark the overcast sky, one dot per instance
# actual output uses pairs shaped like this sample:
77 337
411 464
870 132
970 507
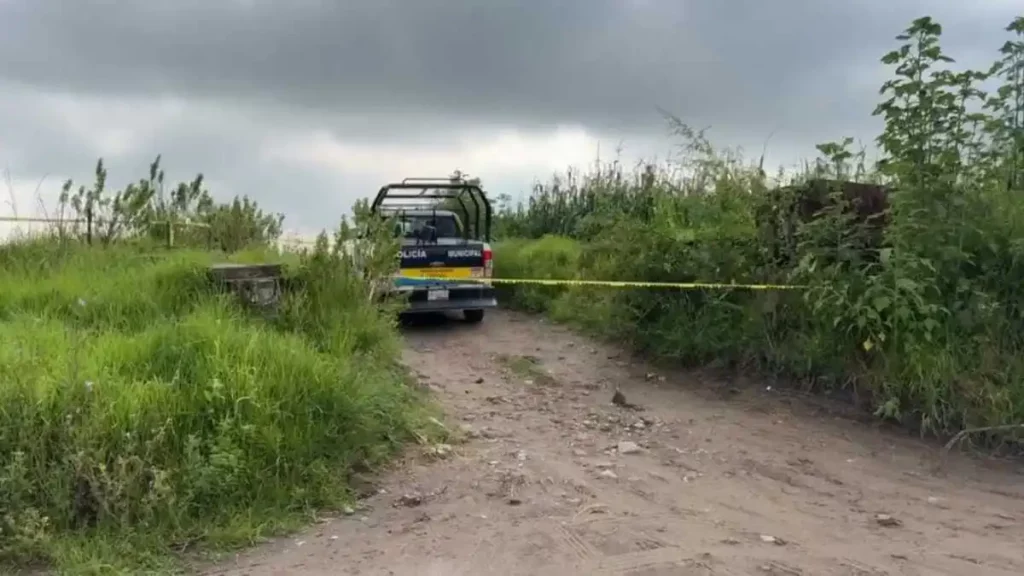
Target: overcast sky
306 105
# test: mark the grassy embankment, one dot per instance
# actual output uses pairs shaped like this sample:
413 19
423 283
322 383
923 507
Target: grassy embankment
143 413
926 324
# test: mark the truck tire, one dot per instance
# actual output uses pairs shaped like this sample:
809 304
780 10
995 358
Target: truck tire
473 316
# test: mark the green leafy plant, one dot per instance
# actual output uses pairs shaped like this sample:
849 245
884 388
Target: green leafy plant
185 216
911 302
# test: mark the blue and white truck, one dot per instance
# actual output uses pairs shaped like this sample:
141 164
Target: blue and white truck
446 259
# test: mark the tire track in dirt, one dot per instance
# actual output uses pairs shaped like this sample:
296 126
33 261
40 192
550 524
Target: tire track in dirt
554 479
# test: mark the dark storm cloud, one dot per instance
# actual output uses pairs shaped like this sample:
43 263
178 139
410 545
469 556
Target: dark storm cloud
212 85
606 64
53 137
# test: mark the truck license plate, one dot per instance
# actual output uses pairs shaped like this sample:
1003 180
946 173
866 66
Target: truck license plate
435 295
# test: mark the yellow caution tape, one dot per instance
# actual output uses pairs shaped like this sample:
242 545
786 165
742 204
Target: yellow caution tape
616 283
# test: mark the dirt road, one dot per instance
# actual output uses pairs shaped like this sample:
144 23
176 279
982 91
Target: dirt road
704 479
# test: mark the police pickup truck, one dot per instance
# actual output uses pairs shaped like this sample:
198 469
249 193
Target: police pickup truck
443 261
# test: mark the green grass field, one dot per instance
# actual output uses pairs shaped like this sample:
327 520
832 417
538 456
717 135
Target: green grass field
143 413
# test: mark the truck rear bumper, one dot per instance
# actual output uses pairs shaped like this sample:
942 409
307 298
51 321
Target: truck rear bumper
450 305
458 297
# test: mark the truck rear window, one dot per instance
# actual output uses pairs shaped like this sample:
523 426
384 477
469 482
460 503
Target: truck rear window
409 226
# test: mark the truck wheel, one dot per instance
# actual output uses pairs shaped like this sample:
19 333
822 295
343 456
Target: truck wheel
473 316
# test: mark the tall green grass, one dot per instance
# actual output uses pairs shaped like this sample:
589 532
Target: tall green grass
143 411
925 326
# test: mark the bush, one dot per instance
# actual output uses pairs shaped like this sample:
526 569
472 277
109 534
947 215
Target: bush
550 258
142 410
919 312
144 210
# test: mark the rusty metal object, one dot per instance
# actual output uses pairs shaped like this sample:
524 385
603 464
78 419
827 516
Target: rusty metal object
779 218
258 285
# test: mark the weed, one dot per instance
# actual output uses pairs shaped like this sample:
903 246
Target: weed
527 368
144 412
913 301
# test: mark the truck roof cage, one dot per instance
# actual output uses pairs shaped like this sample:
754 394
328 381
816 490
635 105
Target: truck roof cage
432 193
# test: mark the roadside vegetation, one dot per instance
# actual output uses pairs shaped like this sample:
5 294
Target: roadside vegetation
146 414
916 311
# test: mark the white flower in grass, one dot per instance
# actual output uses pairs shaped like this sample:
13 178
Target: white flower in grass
81 303
88 385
